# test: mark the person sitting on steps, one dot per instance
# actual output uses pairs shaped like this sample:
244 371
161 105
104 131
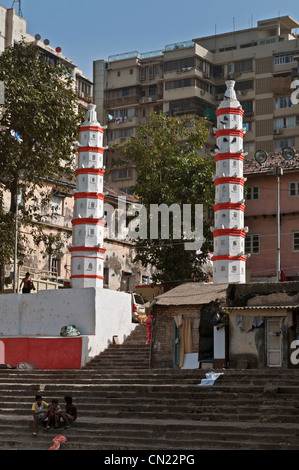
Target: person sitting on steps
40 412
69 416
53 414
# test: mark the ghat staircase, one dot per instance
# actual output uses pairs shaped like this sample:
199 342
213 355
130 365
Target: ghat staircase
124 405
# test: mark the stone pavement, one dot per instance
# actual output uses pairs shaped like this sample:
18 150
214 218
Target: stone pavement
124 405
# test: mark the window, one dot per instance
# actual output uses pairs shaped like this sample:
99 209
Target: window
282 143
247 106
179 64
244 66
55 267
285 122
124 113
230 68
296 241
283 59
253 192
122 174
294 188
252 244
57 206
131 71
246 85
118 73
179 83
248 147
122 133
283 102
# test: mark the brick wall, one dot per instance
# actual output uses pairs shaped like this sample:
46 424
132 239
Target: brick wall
164 332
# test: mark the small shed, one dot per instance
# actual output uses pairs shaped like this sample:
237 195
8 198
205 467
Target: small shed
183 321
263 324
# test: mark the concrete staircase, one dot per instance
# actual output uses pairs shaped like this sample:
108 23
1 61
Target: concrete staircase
124 405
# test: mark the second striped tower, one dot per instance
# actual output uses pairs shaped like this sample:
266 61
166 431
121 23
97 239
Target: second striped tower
229 260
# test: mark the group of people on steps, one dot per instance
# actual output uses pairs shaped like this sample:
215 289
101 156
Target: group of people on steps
51 414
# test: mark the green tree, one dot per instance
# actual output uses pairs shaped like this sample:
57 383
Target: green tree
39 125
166 153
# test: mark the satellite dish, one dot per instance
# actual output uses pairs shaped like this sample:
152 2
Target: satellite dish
46 42
37 37
261 156
288 153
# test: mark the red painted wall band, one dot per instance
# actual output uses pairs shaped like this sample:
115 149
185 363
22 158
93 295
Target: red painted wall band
229 156
229 205
229 179
221 111
229 232
90 149
90 171
228 257
88 221
88 276
235 132
87 248
85 195
91 128
45 353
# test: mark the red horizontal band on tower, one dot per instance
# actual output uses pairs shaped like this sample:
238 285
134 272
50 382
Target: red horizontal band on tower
90 171
221 206
221 111
229 156
229 257
88 276
232 132
91 128
88 221
87 248
90 195
229 179
90 149
233 232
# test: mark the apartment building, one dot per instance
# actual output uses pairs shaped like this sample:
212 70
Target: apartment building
13 28
272 217
189 77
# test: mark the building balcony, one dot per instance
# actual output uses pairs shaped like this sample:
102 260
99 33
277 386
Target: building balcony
121 101
84 96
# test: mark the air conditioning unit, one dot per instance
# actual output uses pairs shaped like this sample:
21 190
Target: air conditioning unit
202 92
277 131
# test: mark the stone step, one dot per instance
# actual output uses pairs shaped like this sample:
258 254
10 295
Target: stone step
174 435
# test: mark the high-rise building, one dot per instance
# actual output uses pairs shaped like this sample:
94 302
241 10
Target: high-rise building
189 77
14 28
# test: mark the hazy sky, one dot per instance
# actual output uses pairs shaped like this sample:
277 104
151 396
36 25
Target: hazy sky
88 30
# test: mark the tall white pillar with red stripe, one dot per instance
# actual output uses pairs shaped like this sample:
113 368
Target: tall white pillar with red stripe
229 260
87 251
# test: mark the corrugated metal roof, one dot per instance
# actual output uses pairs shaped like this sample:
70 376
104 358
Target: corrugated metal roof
264 307
193 293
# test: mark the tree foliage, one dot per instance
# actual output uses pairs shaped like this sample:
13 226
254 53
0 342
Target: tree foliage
39 125
171 170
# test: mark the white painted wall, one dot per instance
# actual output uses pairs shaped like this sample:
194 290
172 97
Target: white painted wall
99 314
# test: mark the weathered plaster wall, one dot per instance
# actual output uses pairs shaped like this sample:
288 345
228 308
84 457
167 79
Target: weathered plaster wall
30 325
